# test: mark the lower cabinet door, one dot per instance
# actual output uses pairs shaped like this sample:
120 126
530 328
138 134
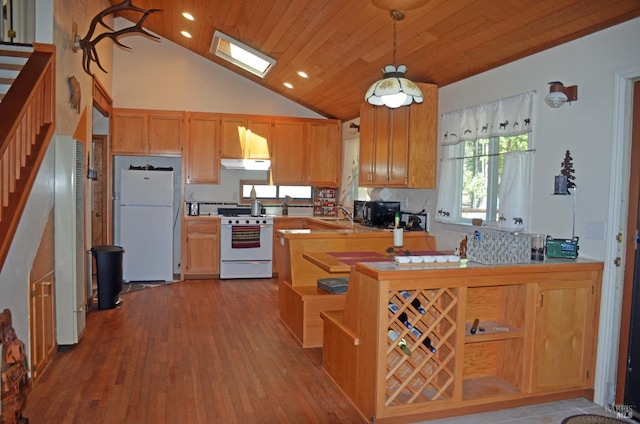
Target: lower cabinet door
565 336
203 254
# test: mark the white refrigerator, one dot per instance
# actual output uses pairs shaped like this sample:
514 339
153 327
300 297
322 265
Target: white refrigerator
146 225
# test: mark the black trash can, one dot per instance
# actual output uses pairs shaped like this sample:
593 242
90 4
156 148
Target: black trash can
109 274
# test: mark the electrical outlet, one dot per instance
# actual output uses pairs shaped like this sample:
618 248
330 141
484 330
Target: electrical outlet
595 230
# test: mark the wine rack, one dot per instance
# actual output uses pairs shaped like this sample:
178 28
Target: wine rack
427 373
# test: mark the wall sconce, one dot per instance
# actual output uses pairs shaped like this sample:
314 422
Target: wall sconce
559 94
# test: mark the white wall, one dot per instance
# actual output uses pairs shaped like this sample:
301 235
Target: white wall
584 127
14 276
163 75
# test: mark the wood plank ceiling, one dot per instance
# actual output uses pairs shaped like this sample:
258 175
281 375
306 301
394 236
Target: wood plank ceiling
343 44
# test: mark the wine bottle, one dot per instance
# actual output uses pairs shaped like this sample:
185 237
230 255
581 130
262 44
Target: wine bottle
426 342
415 302
402 344
428 345
404 319
393 308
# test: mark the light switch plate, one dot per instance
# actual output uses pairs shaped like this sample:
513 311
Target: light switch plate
595 230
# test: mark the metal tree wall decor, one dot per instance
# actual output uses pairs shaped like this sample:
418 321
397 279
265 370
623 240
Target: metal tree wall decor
565 180
88 45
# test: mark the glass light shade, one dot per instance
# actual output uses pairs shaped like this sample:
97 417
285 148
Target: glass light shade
556 99
393 90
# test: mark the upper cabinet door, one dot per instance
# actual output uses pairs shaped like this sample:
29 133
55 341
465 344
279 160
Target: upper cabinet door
166 132
367 145
130 132
324 153
258 138
232 136
203 154
381 129
289 164
399 147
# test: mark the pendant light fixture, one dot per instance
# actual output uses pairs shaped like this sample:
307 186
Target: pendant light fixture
394 90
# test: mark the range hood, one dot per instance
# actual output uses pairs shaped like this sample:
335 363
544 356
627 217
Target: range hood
246 164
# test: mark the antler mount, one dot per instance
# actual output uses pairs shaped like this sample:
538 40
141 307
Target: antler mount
88 45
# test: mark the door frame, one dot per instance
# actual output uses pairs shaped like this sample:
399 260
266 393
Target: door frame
613 276
632 226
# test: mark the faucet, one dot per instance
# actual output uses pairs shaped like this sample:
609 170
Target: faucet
346 212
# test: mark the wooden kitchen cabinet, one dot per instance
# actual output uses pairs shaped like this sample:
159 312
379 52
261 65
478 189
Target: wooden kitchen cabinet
43 324
307 152
398 147
147 132
203 149
536 340
202 250
564 341
324 153
244 137
288 166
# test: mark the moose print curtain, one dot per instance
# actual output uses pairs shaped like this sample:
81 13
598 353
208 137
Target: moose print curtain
510 116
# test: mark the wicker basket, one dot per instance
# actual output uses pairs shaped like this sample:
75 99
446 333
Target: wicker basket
499 247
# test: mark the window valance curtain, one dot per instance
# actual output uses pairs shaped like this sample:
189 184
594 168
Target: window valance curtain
510 116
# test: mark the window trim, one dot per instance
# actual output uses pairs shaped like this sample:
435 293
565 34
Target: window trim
268 201
457 152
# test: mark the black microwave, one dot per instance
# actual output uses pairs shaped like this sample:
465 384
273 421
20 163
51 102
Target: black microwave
379 213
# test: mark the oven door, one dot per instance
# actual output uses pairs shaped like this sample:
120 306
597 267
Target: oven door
246 242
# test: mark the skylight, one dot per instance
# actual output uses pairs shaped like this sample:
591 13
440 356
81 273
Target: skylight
241 55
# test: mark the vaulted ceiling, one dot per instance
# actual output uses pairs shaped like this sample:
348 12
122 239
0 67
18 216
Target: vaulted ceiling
343 44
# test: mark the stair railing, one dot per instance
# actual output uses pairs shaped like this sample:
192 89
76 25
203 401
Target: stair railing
27 121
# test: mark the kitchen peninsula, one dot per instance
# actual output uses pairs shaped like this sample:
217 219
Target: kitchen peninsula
300 299
403 346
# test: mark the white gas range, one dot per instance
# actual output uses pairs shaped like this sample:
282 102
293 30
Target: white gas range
246 244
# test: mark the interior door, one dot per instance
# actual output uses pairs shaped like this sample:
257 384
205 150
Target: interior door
632 382
629 349
99 188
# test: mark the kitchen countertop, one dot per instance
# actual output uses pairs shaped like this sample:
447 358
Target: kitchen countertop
332 225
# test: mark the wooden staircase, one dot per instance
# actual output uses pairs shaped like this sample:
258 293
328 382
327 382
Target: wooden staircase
12 59
27 120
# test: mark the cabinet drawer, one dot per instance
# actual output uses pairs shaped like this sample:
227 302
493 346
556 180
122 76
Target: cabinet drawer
202 227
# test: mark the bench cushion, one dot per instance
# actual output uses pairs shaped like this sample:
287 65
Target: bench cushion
334 285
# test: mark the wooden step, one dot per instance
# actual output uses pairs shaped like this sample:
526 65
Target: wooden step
7 81
11 66
16 50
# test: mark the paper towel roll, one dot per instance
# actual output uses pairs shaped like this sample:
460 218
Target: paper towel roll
398 237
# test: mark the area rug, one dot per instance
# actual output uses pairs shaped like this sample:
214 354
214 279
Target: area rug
134 287
591 419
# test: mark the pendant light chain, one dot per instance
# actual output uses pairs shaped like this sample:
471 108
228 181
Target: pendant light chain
394 39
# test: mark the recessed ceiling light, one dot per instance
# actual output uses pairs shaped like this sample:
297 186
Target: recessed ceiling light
186 34
188 16
241 55
303 74
287 84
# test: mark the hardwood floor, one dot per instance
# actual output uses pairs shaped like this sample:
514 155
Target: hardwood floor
199 351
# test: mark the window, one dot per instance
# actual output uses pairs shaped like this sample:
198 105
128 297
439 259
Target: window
485 172
482 166
265 191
